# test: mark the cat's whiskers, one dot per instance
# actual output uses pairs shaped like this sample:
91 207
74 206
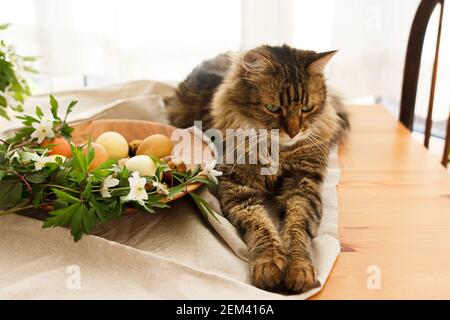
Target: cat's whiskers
320 139
316 148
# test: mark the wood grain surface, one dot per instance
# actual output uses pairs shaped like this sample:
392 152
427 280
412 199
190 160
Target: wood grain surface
394 203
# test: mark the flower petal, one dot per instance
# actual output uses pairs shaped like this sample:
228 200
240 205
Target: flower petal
105 194
50 134
111 182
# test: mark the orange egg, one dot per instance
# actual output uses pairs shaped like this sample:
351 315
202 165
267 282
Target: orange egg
100 155
156 145
60 147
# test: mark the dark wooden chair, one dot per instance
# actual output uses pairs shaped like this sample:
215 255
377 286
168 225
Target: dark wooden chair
411 72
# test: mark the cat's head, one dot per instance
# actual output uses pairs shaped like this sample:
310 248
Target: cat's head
277 87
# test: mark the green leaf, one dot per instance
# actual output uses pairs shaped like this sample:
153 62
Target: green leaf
29 58
76 225
124 174
87 190
106 211
60 177
176 190
4 26
4 113
100 175
30 69
2 174
105 165
54 107
200 179
61 217
70 214
161 169
59 204
70 108
89 221
3 101
27 120
90 153
21 135
37 197
66 131
37 178
158 205
100 210
203 206
18 108
77 176
146 208
116 210
78 157
65 196
193 172
39 112
11 193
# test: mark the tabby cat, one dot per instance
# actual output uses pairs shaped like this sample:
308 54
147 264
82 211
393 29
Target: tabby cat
273 87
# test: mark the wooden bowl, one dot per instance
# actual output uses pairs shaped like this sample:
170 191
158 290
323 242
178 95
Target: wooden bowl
138 129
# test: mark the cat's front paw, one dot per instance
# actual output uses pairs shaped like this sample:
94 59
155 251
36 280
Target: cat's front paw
301 276
267 272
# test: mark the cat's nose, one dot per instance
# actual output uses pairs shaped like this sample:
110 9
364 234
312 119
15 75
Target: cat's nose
292 126
292 134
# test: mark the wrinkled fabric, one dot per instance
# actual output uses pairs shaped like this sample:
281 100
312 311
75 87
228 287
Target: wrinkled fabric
171 254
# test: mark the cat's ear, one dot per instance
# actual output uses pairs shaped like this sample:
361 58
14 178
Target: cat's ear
254 61
320 61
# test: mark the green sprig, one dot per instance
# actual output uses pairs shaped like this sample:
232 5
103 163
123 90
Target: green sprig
14 87
73 189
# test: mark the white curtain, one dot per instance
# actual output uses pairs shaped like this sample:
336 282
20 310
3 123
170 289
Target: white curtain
96 42
104 41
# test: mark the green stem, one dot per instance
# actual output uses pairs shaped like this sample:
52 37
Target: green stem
189 180
24 181
61 187
15 209
113 189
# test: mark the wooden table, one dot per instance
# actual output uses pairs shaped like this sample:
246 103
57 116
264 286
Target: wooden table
394 200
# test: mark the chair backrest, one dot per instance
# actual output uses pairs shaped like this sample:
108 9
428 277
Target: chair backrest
412 68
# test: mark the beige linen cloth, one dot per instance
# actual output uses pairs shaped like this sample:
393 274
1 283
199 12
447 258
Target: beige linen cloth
172 254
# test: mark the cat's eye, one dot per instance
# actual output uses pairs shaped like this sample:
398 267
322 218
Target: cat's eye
272 107
307 108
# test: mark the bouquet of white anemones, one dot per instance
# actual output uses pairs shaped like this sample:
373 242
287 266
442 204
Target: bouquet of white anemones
13 85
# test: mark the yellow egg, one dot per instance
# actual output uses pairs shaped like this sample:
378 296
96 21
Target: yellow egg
156 145
114 143
142 164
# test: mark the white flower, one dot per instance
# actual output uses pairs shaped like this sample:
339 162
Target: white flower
14 155
137 189
44 129
161 187
209 171
109 182
39 161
